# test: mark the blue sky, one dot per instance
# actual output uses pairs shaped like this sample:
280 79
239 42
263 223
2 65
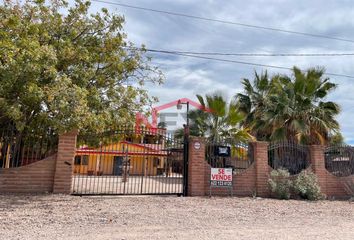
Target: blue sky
186 77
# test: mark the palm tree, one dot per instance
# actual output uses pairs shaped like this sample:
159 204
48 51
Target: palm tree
197 126
223 121
253 102
297 109
291 108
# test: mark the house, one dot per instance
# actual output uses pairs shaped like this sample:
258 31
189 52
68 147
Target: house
144 154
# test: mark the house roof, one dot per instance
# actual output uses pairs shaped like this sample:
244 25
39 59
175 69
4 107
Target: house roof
147 149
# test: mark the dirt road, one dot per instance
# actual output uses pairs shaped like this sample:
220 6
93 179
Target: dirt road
152 217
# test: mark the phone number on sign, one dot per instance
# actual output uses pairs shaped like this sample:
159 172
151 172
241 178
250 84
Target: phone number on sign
221 183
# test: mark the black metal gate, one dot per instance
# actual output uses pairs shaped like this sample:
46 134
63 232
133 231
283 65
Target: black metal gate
130 161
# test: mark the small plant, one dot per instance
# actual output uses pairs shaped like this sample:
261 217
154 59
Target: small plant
254 193
280 184
306 185
349 188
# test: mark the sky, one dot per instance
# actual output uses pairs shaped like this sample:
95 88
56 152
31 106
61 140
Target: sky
186 77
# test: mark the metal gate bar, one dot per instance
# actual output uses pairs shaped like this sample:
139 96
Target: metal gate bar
127 162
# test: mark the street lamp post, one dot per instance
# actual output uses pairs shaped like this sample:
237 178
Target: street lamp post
185 148
179 107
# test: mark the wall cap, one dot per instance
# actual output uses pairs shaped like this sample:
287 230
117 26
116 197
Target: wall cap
73 132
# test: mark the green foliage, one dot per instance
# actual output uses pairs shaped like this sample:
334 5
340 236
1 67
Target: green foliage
293 107
280 184
252 103
336 139
65 68
306 185
223 120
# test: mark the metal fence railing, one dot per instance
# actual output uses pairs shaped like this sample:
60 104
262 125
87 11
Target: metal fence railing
229 153
288 155
129 161
339 160
20 148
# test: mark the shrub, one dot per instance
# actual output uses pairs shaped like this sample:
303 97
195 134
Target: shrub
306 185
280 184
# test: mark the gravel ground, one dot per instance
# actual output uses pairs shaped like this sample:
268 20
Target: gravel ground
154 217
134 185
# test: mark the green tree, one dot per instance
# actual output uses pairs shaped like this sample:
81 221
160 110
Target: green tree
197 127
223 121
292 107
64 68
253 103
336 139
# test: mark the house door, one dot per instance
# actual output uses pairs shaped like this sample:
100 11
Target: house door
117 165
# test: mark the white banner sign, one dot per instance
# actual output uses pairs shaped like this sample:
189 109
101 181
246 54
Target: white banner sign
221 177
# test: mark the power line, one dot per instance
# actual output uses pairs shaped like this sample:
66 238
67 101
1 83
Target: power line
231 61
258 54
227 22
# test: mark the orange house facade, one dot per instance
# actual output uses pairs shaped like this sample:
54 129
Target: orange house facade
113 159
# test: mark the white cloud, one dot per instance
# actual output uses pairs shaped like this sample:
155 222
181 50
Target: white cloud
187 76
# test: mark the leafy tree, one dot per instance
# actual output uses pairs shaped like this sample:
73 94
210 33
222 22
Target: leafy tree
291 107
64 68
222 122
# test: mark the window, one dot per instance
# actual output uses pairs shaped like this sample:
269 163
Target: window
77 160
81 160
84 160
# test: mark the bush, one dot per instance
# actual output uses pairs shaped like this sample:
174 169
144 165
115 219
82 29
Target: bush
306 185
280 184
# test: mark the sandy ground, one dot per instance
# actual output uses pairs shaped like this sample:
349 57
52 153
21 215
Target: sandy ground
154 217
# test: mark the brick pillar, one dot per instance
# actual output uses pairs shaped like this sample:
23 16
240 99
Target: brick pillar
65 162
196 167
260 154
318 165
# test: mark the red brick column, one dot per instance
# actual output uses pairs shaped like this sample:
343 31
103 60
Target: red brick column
318 165
64 163
260 154
196 167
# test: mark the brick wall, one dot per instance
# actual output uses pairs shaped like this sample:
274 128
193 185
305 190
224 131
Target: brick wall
37 177
53 174
65 163
254 180
331 185
244 184
196 167
260 154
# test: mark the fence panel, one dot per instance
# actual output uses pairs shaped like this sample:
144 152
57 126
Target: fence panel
229 153
288 155
126 162
339 160
20 148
